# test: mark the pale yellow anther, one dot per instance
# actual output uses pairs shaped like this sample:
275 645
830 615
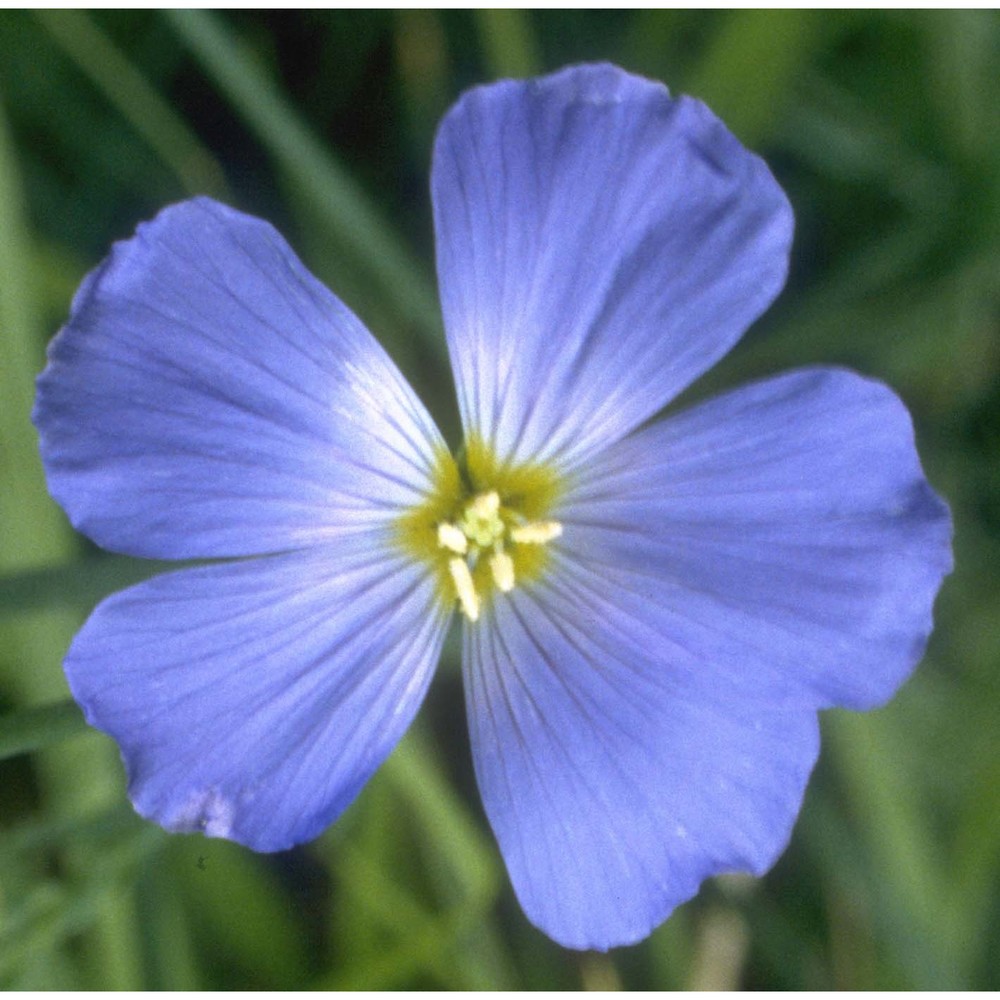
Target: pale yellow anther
452 537
536 532
502 568
486 505
461 576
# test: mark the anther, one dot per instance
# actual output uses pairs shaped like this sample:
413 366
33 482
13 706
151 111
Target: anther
452 538
502 568
485 505
536 532
462 578
481 532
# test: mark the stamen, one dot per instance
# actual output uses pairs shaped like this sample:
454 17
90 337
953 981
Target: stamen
467 596
452 538
536 532
485 505
502 567
482 531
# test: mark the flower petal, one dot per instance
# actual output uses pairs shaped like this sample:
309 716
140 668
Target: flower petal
614 782
782 537
643 714
209 397
252 700
599 246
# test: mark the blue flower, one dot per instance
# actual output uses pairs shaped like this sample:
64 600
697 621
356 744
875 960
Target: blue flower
652 613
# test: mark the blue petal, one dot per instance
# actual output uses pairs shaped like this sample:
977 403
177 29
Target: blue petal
644 715
253 700
209 397
599 246
782 536
614 782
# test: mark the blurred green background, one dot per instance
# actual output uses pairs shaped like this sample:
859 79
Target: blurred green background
882 127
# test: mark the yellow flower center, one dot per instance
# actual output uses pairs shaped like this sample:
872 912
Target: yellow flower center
484 528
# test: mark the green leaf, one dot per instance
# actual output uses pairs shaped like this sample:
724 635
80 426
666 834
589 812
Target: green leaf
127 89
53 912
76 586
771 48
508 42
239 904
33 728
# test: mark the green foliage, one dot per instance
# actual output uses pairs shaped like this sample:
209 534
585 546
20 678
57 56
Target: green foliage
882 126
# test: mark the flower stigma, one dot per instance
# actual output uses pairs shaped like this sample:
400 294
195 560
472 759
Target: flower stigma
485 527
